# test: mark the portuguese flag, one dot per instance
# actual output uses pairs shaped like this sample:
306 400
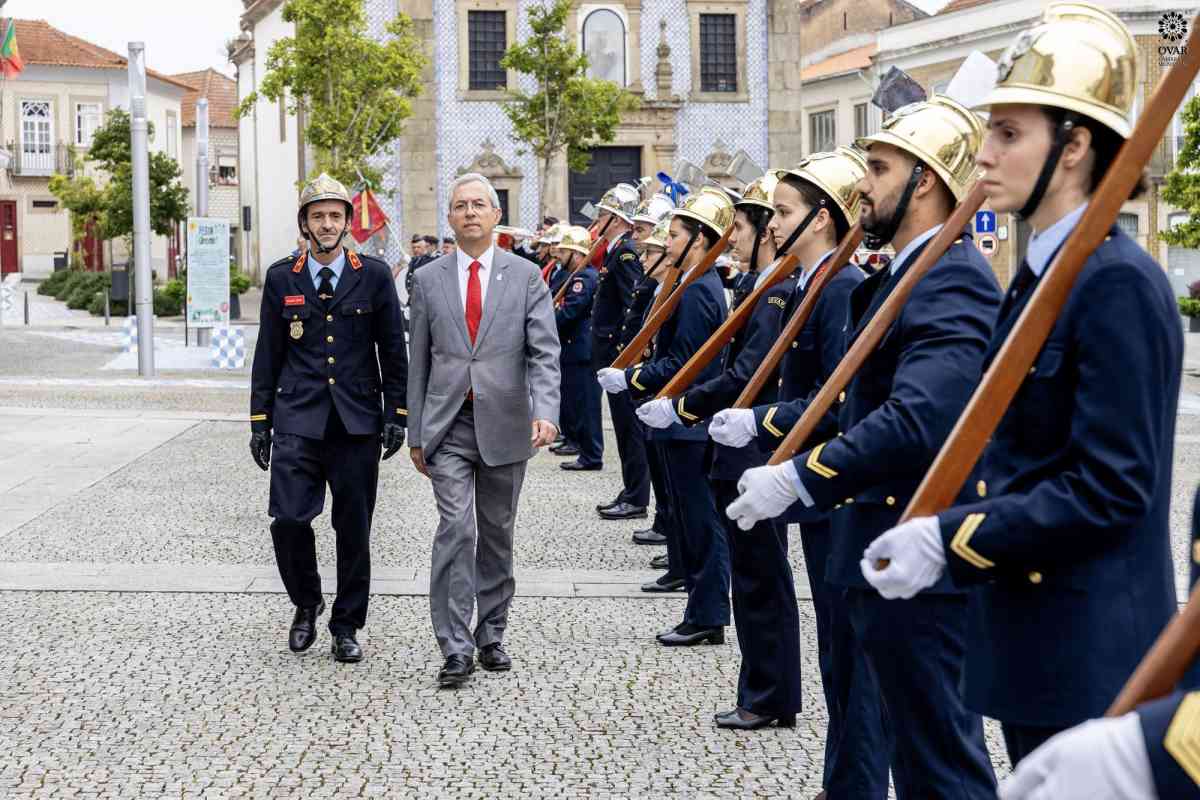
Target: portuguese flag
10 57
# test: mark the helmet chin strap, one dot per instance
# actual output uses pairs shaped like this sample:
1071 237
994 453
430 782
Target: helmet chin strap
1062 134
315 243
883 234
801 228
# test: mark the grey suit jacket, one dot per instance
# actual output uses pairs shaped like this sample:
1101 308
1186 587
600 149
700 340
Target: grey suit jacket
512 368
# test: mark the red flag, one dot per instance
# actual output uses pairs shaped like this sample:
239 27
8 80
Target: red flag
368 219
11 62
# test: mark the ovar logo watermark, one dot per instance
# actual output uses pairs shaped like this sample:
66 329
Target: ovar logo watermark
1173 28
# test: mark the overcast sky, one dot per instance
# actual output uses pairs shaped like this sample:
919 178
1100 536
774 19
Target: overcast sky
180 35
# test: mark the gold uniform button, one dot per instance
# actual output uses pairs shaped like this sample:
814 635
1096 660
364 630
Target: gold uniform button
358 311
329 339
849 500
1035 577
795 345
329 317
1033 370
295 316
330 359
841 397
891 501
332 381
981 488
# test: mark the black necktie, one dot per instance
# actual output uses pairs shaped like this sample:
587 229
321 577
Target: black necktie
325 290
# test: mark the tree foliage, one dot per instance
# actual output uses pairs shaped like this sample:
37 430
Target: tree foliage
566 110
1183 182
355 92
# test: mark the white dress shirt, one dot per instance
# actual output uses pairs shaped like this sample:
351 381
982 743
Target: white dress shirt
911 247
464 274
1045 244
807 272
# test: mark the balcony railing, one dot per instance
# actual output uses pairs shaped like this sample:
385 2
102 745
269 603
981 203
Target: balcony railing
40 161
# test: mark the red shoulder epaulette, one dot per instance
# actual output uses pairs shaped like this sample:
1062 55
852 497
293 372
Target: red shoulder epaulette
352 257
299 265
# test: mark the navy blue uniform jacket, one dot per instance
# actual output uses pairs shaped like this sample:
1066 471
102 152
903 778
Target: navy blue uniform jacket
900 407
309 358
1067 529
701 311
574 317
622 271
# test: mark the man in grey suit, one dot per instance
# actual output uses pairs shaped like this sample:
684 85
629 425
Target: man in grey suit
483 387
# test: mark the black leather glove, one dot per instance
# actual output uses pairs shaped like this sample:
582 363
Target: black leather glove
260 448
393 439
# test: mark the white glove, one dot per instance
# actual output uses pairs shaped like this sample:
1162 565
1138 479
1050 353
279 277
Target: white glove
612 380
733 427
658 413
1101 759
764 493
916 555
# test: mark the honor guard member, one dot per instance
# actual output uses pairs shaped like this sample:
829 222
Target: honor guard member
651 243
1064 528
824 185
622 270
330 341
892 420
552 271
703 553
573 314
764 595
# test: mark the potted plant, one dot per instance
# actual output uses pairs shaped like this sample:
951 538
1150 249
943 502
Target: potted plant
239 284
1190 307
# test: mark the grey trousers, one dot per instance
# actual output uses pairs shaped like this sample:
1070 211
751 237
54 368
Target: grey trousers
472 550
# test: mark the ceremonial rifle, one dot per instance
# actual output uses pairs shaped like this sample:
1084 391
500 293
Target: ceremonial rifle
839 259
882 320
628 356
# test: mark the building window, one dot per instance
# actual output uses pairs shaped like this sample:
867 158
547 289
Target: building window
487 39
822 132
44 205
172 135
1129 224
502 194
226 172
718 53
604 44
88 117
862 120
37 135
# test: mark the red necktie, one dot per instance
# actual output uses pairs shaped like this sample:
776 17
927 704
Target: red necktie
474 301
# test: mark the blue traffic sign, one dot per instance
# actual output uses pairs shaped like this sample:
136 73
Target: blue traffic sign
985 221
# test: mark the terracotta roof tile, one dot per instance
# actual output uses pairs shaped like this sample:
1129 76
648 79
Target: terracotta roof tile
41 43
221 91
858 58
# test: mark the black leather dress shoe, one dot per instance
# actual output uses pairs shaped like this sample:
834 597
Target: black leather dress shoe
346 649
304 627
659 562
456 670
606 506
494 659
624 511
579 466
664 583
740 719
690 635
567 449
648 536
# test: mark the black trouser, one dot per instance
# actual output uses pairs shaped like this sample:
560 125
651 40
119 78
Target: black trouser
703 550
580 413
300 469
658 480
1021 740
631 447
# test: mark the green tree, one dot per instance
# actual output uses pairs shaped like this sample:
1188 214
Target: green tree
566 110
355 92
1183 182
83 199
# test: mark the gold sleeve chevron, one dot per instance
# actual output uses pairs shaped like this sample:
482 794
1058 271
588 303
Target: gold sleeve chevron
1183 736
633 380
258 417
814 463
769 425
961 546
683 414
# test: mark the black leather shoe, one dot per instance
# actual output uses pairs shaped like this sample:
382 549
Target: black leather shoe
579 466
346 649
690 635
664 583
659 562
606 506
567 449
456 670
740 719
648 536
494 659
624 511
304 627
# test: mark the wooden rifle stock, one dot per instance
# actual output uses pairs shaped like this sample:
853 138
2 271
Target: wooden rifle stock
873 334
721 336
1177 646
839 259
629 356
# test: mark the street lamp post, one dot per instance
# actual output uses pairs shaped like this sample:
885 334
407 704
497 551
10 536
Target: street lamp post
140 146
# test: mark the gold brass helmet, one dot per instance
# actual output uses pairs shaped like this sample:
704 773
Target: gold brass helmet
576 239
658 237
938 131
621 200
836 174
760 192
653 209
323 187
710 207
1080 58
553 234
